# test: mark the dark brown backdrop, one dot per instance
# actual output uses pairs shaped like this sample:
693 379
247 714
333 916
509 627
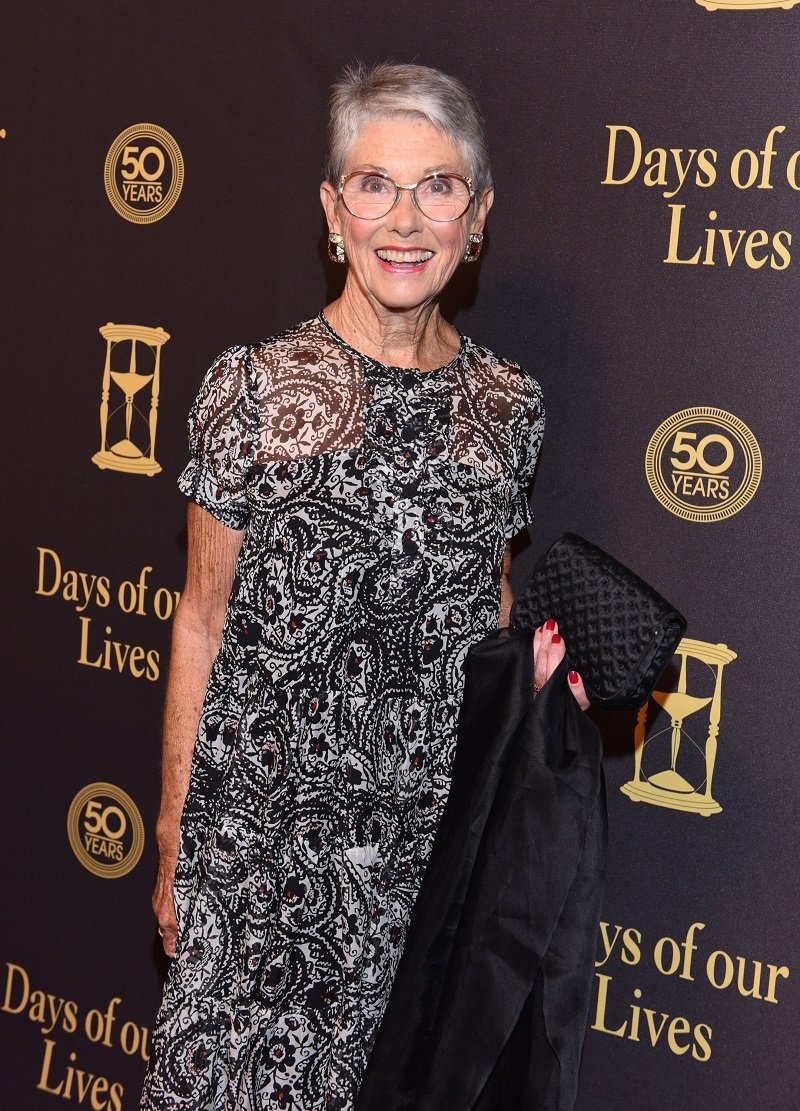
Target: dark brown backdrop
574 285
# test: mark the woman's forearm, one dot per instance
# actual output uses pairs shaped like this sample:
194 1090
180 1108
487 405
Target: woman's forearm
506 596
193 650
196 637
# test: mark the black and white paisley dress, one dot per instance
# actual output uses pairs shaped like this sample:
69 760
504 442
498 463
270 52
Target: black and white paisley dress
376 502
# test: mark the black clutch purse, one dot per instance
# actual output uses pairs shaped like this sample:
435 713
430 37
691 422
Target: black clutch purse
620 632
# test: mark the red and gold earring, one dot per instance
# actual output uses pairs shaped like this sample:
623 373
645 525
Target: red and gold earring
474 247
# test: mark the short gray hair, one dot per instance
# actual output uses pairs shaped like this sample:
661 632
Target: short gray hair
392 89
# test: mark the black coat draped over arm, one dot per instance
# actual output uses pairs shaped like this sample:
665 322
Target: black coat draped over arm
490 1002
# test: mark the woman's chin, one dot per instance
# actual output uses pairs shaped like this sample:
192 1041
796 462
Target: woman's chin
403 294
405 305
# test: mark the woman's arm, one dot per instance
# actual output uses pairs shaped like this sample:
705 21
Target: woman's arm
506 597
196 637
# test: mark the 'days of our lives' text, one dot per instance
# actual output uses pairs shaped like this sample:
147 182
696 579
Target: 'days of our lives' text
643 1024
726 246
67 1080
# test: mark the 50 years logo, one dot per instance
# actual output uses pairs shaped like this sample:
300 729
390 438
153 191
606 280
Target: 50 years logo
143 173
703 464
105 830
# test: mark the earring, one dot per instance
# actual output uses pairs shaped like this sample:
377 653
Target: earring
336 247
474 247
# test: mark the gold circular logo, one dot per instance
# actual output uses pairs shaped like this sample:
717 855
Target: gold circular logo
105 830
703 464
143 173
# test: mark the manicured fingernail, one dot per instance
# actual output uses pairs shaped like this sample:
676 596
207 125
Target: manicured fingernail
574 678
556 639
550 624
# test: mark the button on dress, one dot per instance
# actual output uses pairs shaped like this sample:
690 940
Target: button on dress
376 502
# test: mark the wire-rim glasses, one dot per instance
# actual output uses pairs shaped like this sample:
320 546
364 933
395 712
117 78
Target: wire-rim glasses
371 195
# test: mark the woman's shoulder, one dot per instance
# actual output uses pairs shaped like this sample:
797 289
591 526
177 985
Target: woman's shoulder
289 341
308 338
243 371
504 374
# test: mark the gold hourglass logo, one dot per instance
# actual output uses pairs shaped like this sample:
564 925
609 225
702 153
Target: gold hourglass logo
672 742
127 433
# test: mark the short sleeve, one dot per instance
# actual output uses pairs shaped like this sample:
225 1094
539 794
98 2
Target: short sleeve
221 423
526 439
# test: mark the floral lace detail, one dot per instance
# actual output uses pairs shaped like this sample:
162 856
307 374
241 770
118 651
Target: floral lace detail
304 393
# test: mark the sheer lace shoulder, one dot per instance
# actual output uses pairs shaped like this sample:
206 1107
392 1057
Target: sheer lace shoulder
310 393
498 425
297 394
305 392
528 431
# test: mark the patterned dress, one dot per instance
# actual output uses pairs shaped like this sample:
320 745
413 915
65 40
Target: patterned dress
376 502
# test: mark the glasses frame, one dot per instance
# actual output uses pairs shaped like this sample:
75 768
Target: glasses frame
410 188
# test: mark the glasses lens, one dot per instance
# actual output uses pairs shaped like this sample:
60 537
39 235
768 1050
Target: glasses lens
369 196
443 197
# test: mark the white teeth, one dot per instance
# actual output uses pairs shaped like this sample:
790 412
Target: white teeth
404 256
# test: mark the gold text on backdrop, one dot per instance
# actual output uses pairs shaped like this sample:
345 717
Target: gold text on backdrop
678 169
63 1071
89 593
681 958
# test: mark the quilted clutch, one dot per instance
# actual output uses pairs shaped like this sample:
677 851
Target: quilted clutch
620 633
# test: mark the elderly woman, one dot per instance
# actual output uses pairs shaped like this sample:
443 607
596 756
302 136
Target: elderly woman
354 483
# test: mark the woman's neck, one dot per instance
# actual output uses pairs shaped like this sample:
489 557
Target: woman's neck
419 338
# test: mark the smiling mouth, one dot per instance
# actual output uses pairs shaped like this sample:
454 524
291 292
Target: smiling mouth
403 258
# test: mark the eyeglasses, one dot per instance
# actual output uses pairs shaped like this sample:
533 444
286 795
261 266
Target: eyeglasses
369 195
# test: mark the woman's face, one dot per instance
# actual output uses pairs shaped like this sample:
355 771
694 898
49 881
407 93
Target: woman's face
403 260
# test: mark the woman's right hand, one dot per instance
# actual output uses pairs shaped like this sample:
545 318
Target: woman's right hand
164 903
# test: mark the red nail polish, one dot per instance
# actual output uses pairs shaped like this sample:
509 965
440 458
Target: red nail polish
556 639
574 678
550 624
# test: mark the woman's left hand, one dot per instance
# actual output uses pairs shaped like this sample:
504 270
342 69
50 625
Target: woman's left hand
548 652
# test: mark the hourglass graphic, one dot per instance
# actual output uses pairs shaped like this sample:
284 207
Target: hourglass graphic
134 449
668 787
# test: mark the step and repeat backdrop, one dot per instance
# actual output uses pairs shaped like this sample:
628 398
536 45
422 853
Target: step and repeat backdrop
159 170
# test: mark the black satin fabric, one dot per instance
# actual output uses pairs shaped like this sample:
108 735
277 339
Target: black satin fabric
490 1003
